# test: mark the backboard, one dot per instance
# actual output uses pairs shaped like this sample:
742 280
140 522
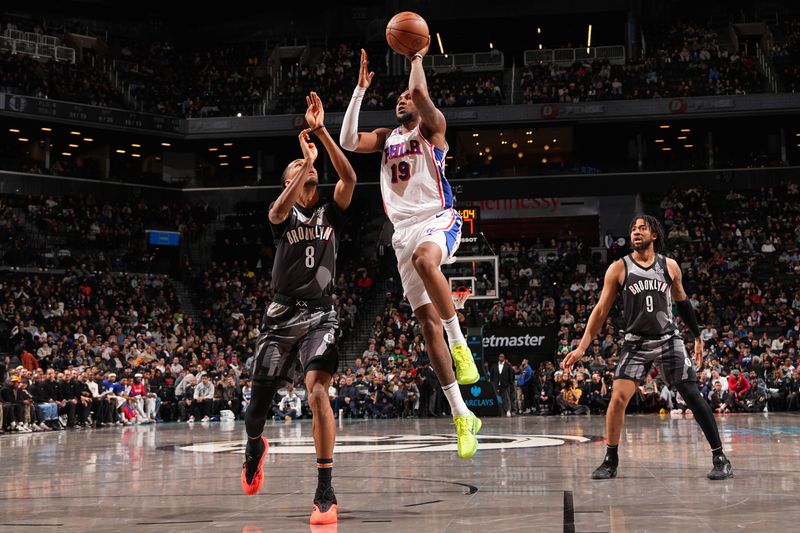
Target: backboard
478 273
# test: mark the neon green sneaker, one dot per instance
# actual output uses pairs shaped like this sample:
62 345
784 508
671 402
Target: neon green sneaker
466 371
467 428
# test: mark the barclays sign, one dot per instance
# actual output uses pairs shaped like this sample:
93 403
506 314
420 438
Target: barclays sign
481 398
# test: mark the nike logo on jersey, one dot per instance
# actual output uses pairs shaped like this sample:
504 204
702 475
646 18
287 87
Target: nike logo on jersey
393 151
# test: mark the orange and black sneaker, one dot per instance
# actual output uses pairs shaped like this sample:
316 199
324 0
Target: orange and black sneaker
253 468
325 510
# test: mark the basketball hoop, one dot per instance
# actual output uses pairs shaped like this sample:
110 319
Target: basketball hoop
460 296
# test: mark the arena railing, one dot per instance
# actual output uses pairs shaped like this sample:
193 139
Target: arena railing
14 34
41 39
470 62
37 49
567 56
18 35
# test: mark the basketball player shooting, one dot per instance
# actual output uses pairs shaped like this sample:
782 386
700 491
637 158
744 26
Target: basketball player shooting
427 230
649 282
301 321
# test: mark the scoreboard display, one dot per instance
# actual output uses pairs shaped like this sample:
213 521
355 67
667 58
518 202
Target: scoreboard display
472 217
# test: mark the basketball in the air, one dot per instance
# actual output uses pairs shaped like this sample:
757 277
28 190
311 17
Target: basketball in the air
407 33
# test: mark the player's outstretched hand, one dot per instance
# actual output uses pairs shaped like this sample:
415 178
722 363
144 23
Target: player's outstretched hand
424 50
572 357
364 75
308 148
698 352
315 114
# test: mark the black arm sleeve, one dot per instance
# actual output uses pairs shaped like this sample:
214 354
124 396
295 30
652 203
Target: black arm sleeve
686 312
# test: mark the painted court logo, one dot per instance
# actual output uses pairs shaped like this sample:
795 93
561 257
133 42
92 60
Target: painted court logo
390 444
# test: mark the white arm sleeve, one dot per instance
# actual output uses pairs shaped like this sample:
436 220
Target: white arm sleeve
348 137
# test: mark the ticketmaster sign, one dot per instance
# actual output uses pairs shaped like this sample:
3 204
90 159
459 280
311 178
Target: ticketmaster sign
534 344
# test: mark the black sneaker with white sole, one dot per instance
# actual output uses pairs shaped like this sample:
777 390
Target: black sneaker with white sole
722 469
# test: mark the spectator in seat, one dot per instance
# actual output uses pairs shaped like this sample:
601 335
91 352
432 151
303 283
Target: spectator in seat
381 402
346 398
719 398
650 393
290 406
247 391
230 397
599 395
738 385
543 395
569 399
12 417
203 399
47 406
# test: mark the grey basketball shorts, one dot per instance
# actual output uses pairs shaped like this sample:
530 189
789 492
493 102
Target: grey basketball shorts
295 338
667 353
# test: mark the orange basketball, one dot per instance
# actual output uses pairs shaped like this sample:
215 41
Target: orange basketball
407 33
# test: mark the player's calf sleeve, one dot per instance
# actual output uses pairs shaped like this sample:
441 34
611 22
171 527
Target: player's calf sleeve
702 413
258 410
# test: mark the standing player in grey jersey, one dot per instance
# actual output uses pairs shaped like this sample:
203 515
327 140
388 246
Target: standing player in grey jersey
649 282
301 323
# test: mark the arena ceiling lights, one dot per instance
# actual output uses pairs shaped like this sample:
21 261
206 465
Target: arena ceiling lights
517 142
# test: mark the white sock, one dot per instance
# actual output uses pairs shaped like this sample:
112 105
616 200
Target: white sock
453 394
453 330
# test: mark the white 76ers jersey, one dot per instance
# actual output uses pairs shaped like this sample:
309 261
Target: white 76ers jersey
412 177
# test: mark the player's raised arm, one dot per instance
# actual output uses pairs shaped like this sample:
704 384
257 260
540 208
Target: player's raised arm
433 121
289 195
315 116
611 285
685 309
349 137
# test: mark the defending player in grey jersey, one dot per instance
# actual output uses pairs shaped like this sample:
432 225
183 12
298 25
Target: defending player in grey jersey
300 325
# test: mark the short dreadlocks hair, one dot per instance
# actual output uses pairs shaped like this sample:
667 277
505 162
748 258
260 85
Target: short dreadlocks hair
655 226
